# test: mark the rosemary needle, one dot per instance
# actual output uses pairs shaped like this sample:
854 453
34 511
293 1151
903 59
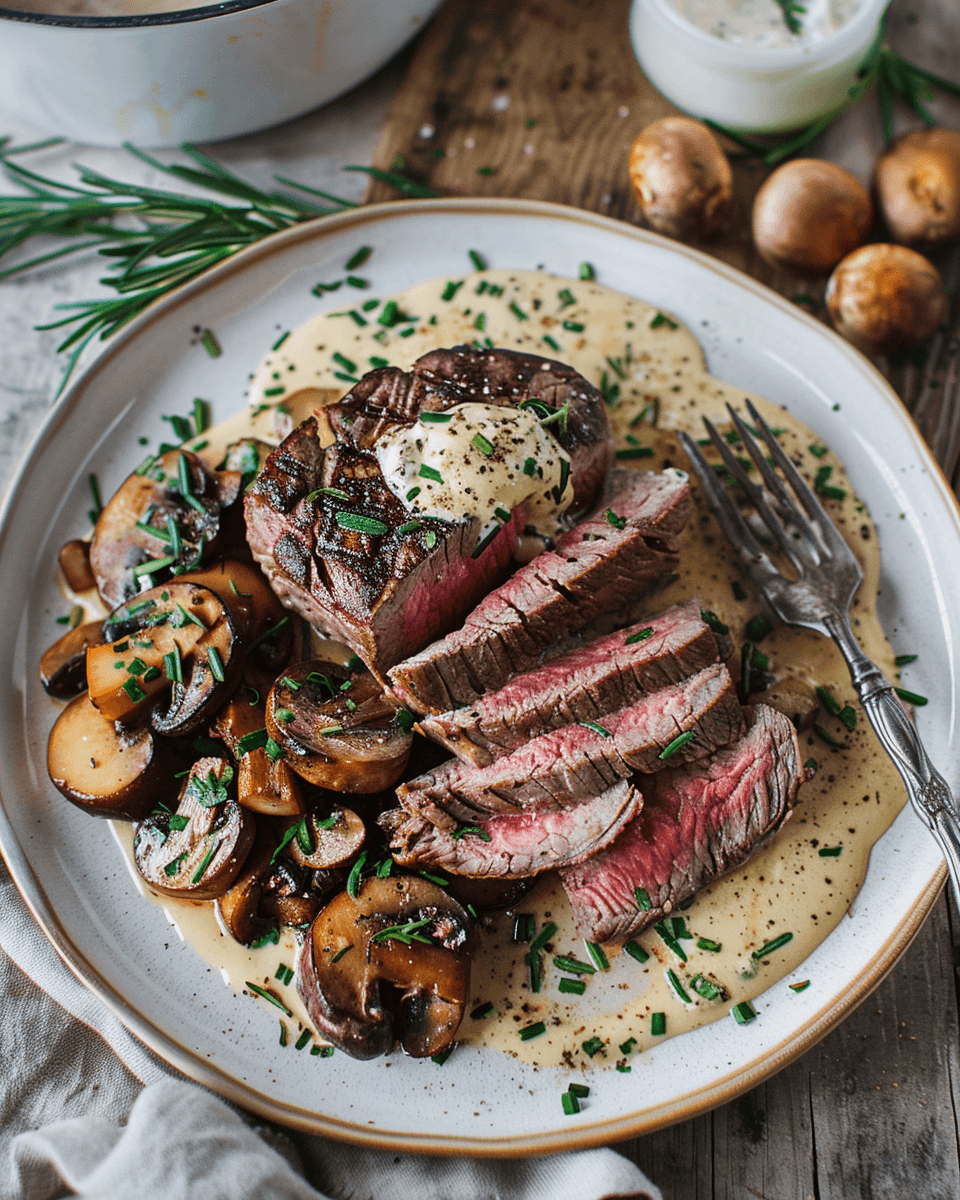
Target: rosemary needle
159 239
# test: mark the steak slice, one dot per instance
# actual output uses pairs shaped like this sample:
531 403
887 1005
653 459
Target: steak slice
625 547
697 823
515 844
582 685
692 718
388 593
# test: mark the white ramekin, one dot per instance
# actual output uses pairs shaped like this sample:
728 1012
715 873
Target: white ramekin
755 89
196 75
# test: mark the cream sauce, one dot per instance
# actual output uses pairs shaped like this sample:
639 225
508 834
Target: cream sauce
478 460
764 23
653 372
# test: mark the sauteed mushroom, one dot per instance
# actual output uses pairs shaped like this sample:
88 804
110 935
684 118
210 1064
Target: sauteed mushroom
179 639
327 841
387 966
265 782
238 909
173 514
105 769
338 727
74 560
63 668
196 853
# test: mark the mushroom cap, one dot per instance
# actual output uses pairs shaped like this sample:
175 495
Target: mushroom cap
63 668
808 214
884 297
366 989
681 178
917 183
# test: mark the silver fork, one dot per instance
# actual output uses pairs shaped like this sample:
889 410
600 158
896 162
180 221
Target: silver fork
828 575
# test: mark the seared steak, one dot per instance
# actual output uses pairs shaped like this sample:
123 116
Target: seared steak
697 823
625 547
690 719
581 685
515 844
389 592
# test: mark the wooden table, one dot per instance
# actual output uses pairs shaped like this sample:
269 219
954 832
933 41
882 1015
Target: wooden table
542 99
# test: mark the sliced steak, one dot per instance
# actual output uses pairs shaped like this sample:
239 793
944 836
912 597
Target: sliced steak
515 844
582 685
697 823
625 547
692 719
316 514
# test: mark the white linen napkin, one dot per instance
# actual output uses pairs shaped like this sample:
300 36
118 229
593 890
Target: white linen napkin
86 1109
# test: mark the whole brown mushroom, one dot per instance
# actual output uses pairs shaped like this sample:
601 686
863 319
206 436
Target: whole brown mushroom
681 178
917 182
808 215
884 298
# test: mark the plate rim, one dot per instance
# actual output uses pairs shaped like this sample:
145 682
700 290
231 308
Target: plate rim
583 1136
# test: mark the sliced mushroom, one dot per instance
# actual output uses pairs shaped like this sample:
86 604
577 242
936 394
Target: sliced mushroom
327 841
489 893
74 560
290 894
178 640
265 782
172 512
63 668
238 909
390 965
106 770
338 728
197 852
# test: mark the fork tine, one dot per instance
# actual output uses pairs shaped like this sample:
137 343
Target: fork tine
790 513
737 531
788 545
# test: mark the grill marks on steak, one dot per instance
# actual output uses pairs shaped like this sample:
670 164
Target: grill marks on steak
581 685
697 823
578 762
391 594
516 844
594 568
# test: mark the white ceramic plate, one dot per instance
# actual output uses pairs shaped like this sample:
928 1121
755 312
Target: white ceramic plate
69 869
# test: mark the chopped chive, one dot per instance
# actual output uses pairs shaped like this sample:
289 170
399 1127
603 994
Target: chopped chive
435 418
635 452
428 472
284 973
478 260
472 831
769 947
743 1013
285 715
209 342
680 930
573 966
599 729
642 898
151 674
706 988
579 1090
267 995
524 925
529 466
251 741
830 851
551 342
430 539
598 955
640 636
408 527
303 1039
173 866
154 565
903 659
713 621
708 944
376 361
485 541
484 445
635 950
662 319
207 858
356 871
679 990
534 970
825 737
442 1056
518 311
616 521
482 1011
829 703
566 298
593 1046
799 987
136 666
134 690
502 515
658 1024
587 272
451 289
273 749
757 628
571 1105
544 936
531 1031
676 744
216 664
816 450
355 281
848 718
627 1047
670 941
911 697
358 258
575 987
274 391
810 765
361 524
574 326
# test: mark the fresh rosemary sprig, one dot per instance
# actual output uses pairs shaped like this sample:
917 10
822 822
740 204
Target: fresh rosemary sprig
160 238
882 66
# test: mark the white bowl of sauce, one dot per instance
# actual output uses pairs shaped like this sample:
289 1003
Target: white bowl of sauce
161 72
747 63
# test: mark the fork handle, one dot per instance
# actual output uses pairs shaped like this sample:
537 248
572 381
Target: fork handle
929 792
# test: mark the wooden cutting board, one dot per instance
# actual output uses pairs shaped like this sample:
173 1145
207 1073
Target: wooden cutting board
542 99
